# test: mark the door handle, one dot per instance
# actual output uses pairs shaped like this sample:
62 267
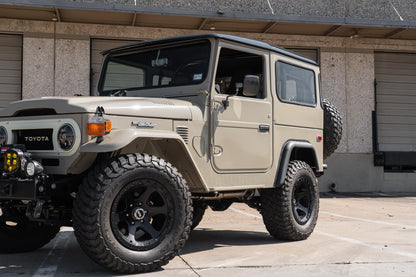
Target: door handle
264 128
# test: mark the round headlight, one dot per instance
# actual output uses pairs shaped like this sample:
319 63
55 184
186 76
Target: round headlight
66 137
30 169
3 136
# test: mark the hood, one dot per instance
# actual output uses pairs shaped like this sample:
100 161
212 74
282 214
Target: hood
129 106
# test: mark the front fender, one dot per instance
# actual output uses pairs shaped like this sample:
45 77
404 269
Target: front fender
178 153
119 139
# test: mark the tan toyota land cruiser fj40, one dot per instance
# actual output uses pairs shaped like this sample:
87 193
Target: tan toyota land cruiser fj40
180 124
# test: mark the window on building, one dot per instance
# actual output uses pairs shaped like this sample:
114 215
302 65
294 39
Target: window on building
295 84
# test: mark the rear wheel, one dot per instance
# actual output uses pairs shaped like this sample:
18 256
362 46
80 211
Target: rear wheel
133 214
198 214
18 234
290 211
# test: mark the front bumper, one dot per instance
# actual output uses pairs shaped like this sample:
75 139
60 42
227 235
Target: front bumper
16 184
15 189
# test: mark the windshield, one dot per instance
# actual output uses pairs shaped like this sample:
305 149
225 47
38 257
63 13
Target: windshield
166 66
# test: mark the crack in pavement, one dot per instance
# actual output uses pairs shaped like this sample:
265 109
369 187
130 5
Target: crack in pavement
194 271
315 264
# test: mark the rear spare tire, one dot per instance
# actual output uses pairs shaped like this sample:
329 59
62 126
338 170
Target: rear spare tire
332 128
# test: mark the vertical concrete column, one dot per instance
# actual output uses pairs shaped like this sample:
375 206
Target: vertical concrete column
347 81
38 67
333 76
360 101
72 67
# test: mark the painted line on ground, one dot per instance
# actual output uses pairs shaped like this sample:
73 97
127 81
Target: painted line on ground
50 264
374 246
369 220
244 213
354 241
388 200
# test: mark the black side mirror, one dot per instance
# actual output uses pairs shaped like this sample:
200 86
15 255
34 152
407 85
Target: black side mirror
251 85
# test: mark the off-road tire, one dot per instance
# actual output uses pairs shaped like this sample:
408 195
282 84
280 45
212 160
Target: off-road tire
24 236
147 184
332 128
290 211
198 214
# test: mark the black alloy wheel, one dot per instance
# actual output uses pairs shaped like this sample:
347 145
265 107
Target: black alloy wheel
302 202
141 215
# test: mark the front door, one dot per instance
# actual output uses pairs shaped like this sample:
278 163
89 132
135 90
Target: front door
242 131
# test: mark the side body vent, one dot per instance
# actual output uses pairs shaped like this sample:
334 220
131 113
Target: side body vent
183 132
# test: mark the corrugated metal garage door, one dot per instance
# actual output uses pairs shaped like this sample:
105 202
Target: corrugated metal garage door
10 69
97 46
396 101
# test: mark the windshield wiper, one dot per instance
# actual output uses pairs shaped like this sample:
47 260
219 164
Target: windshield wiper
120 92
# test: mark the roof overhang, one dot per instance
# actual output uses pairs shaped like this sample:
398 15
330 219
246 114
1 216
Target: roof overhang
132 15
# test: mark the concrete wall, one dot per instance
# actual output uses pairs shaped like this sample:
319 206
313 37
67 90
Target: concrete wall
390 10
56 61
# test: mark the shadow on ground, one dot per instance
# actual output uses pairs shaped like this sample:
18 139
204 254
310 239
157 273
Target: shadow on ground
203 239
72 261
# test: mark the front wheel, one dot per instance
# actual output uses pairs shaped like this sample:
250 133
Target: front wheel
133 214
290 211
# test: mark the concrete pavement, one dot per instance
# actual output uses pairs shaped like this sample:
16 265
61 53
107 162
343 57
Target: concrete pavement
356 235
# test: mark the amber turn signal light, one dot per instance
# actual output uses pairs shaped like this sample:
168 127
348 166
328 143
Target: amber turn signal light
98 126
107 127
96 129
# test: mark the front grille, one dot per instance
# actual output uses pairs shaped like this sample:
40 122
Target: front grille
50 162
37 139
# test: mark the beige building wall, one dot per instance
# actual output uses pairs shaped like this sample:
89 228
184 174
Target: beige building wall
38 67
56 61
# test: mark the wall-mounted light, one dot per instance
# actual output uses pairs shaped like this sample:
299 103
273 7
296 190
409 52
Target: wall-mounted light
356 34
212 27
54 17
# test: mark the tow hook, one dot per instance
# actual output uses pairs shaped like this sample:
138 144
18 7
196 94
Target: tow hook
37 211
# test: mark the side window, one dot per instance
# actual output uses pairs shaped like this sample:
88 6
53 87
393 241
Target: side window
233 66
295 84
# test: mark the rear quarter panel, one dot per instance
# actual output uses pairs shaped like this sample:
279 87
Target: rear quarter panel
294 121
